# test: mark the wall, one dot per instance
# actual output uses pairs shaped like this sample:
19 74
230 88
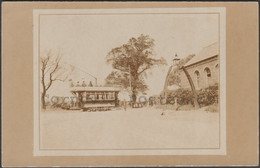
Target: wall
212 64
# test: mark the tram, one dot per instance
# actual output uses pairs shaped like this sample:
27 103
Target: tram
96 98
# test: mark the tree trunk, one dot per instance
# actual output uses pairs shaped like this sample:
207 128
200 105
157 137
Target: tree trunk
43 100
134 95
134 87
196 104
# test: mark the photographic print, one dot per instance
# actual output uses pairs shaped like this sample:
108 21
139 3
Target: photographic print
147 81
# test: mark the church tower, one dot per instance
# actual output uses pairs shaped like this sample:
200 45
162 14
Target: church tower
176 60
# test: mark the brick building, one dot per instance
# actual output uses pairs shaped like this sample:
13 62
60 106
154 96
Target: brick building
203 68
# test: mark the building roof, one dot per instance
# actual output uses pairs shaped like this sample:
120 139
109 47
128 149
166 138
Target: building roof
99 89
207 52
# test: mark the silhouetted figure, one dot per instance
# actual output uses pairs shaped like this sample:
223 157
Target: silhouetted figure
124 104
90 84
84 84
78 85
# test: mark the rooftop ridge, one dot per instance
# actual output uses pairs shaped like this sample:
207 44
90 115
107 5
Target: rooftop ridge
210 44
206 52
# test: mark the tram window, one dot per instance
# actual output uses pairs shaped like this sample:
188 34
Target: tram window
109 96
113 95
91 97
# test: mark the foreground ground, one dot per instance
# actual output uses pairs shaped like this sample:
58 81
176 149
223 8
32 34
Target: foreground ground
130 129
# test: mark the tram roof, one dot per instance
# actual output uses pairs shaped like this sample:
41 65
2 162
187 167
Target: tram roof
99 89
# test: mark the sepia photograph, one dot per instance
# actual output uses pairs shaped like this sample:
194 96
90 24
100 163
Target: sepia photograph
129 84
129 81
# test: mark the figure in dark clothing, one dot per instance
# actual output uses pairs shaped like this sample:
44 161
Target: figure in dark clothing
90 84
78 85
84 84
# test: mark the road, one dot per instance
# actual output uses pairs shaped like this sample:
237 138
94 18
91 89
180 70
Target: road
135 128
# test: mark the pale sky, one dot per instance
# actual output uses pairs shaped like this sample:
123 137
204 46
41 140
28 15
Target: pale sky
85 40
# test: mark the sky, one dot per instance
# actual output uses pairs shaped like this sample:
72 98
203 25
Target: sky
85 41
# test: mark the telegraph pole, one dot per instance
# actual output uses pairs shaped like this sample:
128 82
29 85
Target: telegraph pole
130 79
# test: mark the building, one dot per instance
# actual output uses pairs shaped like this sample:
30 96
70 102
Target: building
203 68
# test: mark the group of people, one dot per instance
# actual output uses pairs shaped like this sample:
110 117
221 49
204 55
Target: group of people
82 85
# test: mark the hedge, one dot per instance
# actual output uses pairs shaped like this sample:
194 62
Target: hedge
206 96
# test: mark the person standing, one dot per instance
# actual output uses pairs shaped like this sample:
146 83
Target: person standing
124 104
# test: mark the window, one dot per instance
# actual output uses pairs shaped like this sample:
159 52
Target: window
208 76
197 79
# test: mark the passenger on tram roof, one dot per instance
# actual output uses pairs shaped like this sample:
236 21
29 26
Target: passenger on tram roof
78 85
90 84
84 84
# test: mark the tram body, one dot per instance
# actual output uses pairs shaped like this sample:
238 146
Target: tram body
96 98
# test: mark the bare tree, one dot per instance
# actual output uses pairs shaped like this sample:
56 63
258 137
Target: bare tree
52 70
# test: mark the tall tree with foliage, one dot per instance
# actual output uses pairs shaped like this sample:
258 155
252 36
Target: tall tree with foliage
174 79
122 80
133 58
